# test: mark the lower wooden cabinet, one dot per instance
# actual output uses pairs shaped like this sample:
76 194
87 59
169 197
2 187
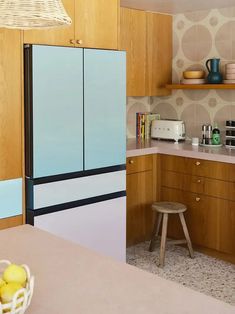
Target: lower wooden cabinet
227 229
140 196
202 217
207 188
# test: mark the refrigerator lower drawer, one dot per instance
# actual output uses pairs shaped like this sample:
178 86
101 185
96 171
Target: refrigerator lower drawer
98 226
60 192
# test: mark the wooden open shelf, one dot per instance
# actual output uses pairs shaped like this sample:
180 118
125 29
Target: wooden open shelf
201 86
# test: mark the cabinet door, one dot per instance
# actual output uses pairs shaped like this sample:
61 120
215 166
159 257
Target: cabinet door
159 49
10 104
133 41
202 216
104 108
227 229
139 211
96 23
56 36
57 110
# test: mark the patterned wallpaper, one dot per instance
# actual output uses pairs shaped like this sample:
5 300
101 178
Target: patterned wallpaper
198 36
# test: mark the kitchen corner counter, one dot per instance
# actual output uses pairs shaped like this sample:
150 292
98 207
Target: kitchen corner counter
184 149
72 279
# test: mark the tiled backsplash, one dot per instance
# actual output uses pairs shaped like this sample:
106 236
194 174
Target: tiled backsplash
198 36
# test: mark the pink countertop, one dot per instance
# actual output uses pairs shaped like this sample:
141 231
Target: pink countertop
70 279
185 149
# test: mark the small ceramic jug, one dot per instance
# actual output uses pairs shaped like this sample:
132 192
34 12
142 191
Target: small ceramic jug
214 76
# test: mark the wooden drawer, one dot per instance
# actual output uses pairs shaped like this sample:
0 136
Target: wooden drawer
138 164
184 182
201 185
199 167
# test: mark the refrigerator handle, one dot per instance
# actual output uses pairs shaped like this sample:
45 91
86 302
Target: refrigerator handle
28 110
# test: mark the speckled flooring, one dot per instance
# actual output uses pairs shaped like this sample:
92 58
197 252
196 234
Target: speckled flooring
203 273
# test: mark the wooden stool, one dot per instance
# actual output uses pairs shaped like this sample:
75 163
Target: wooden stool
165 208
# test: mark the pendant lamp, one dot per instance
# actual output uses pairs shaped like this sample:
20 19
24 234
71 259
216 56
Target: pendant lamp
33 14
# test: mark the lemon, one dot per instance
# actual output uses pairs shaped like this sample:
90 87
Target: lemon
2 282
15 273
7 291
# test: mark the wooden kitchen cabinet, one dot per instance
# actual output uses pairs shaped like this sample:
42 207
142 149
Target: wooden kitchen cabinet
140 196
62 36
207 188
159 53
149 51
10 104
133 31
201 217
94 24
227 229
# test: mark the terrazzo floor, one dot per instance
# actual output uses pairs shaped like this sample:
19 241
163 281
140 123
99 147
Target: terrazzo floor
203 273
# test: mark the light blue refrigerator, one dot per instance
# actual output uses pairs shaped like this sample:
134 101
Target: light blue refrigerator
75 139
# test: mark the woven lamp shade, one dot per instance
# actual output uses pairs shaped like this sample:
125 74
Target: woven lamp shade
29 14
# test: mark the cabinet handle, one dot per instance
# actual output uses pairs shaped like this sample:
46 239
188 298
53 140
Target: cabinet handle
198 199
198 163
199 181
79 42
72 41
131 162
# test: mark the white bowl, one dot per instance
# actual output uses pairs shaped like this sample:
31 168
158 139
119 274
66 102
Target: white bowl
193 81
22 297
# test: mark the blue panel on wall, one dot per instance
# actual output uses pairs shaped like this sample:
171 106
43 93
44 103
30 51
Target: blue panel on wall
57 110
10 198
105 108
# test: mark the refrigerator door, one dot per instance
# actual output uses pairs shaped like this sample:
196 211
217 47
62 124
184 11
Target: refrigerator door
105 108
99 226
57 110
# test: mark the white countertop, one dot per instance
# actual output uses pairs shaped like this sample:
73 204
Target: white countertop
184 149
72 279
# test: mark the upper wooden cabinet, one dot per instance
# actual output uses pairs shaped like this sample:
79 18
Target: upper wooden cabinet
62 36
10 104
133 40
159 53
147 38
95 25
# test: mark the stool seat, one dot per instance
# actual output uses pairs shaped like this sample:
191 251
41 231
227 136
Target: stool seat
169 207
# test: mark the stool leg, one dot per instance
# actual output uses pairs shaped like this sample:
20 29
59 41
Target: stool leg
186 234
156 229
163 240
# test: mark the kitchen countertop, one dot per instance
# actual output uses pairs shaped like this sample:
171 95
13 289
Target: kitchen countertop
72 279
184 149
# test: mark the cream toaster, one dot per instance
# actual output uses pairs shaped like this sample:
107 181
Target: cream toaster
168 130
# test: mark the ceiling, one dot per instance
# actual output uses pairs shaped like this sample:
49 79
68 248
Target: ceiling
177 6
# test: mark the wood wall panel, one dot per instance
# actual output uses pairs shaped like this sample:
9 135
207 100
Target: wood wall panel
10 104
11 222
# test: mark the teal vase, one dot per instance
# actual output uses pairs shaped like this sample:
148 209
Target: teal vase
214 76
